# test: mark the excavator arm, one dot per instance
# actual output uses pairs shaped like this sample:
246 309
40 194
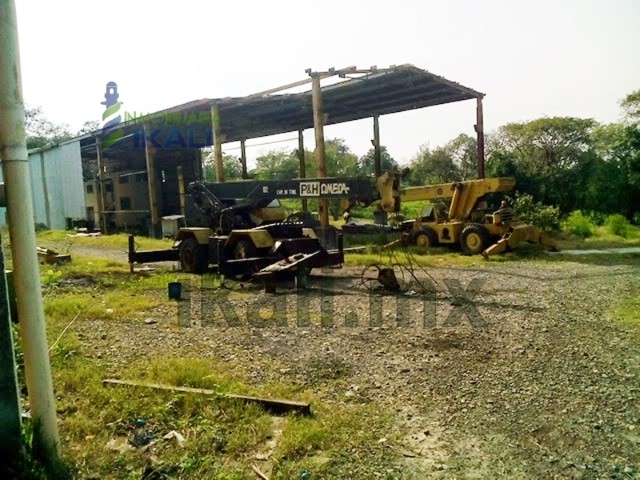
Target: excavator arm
464 195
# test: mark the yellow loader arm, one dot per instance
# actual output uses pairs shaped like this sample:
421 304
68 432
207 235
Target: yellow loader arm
518 234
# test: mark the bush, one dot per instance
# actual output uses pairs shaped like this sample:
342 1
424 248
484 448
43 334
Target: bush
618 225
636 218
578 224
597 218
542 216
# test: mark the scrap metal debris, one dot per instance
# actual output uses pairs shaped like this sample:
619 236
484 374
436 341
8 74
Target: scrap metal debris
52 257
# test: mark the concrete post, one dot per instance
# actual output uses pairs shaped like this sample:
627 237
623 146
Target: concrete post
15 165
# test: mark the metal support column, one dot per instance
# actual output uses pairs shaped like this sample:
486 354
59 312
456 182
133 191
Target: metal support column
377 154
100 193
303 166
183 210
217 141
243 159
150 155
318 122
480 138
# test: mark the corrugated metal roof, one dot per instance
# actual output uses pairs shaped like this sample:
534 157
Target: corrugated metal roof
380 92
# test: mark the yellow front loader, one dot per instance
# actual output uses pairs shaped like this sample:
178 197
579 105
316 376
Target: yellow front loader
467 222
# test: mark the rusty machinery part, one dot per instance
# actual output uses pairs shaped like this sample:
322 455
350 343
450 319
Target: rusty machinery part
405 281
385 277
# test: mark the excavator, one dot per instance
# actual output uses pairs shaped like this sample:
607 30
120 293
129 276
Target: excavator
467 222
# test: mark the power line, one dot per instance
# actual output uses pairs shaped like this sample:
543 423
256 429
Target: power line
261 144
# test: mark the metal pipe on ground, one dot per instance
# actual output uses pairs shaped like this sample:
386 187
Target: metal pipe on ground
13 153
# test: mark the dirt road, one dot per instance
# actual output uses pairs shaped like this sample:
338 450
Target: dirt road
509 371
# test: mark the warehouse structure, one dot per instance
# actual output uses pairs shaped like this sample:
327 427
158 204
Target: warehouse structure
134 182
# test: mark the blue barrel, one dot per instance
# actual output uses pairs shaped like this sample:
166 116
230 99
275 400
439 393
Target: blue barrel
175 290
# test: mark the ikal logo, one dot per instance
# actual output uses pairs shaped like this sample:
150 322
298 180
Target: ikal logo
111 117
160 130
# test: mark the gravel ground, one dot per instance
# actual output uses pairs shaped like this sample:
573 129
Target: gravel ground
519 373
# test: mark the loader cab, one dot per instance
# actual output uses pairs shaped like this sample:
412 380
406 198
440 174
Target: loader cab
434 213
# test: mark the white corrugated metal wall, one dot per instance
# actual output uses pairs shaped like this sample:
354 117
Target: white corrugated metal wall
56 185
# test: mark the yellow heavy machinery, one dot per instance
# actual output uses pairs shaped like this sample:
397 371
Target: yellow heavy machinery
467 222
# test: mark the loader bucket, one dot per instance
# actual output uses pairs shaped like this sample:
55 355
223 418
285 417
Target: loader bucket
518 234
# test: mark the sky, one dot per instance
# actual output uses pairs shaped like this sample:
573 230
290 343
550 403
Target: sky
531 59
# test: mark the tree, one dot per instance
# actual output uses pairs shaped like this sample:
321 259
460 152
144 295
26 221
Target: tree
231 167
432 166
631 106
366 163
41 131
277 164
89 126
453 162
339 159
546 155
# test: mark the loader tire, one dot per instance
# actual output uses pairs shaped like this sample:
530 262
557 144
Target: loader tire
193 256
474 239
425 238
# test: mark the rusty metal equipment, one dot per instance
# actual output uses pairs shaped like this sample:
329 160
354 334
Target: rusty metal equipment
52 257
247 235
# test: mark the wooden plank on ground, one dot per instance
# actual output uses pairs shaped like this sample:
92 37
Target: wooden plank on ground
272 404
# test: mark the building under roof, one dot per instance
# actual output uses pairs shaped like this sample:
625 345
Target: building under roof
161 152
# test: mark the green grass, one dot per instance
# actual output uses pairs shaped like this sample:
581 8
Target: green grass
602 238
222 435
119 241
627 314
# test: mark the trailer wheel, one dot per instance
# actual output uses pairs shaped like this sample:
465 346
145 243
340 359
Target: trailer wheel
245 249
193 256
474 239
425 238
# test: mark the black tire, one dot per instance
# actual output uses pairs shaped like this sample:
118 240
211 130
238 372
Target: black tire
193 256
425 238
474 239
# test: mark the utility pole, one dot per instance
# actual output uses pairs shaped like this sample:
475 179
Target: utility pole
15 165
